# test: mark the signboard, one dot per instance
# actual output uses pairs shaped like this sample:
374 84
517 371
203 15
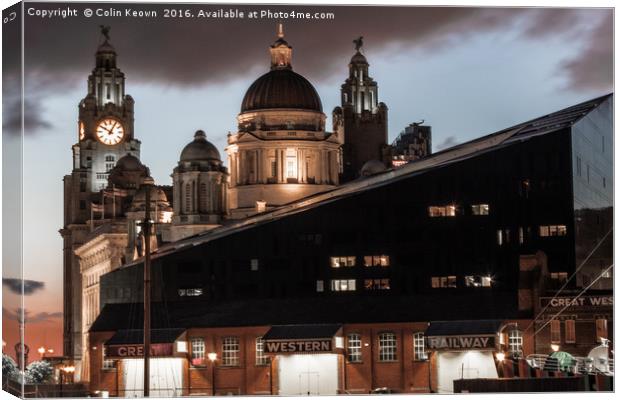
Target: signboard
460 342
298 346
137 350
583 301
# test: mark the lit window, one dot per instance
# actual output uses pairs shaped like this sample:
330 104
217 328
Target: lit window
569 331
254 264
291 163
442 211
319 286
515 341
561 277
354 348
419 354
478 281
230 351
552 230
443 281
480 209
555 331
500 237
107 363
343 285
376 284
261 358
521 235
191 292
387 346
337 262
377 261
198 352
601 328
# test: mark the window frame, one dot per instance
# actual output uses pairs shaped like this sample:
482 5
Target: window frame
419 347
260 358
555 333
387 347
354 348
231 349
194 351
570 331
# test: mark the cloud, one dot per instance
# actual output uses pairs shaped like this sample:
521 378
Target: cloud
448 142
15 285
34 119
18 316
593 69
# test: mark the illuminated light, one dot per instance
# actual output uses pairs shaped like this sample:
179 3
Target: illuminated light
500 356
261 205
555 347
51 351
41 350
181 346
166 217
212 356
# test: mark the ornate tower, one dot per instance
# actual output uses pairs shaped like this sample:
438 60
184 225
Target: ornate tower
281 152
361 121
105 133
199 189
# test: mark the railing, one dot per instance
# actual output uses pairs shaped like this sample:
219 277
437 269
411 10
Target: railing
579 365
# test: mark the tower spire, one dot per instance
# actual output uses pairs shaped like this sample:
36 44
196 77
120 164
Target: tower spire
281 52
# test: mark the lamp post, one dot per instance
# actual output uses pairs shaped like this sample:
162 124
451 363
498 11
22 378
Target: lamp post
212 357
146 229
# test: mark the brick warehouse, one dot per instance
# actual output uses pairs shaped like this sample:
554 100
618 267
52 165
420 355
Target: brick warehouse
411 277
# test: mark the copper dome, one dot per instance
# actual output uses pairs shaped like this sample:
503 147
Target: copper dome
200 149
281 88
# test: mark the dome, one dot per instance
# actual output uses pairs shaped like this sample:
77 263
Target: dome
372 167
200 149
358 58
281 88
159 200
130 162
106 47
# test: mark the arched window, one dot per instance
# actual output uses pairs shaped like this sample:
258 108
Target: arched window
188 198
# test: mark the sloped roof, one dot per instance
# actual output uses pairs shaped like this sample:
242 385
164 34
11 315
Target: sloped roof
542 125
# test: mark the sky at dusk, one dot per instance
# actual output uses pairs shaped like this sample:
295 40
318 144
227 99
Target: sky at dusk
466 71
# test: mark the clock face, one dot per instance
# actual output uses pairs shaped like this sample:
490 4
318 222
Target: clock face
110 131
82 132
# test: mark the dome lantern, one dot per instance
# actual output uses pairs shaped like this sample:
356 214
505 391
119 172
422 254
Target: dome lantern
281 52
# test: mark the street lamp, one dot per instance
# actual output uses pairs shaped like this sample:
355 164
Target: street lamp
500 356
212 357
555 347
41 351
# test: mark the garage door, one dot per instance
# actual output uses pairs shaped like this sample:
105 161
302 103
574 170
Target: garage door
466 365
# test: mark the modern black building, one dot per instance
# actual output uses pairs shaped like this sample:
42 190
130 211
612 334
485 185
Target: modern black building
480 231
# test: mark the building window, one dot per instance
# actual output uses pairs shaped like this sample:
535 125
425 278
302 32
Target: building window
387 346
188 197
191 292
569 331
515 341
552 230
110 160
337 262
601 329
578 166
561 277
376 284
203 197
343 285
261 358
442 211
107 363
443 281
480 209
354 348
230 351
198 352
274 168
478 281
319 286
291 163
377 261
419 354
521 235
555 331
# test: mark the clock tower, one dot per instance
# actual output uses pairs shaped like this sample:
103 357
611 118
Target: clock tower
105 133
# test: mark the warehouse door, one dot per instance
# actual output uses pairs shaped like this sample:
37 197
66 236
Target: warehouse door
308 374
165 377
471 364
